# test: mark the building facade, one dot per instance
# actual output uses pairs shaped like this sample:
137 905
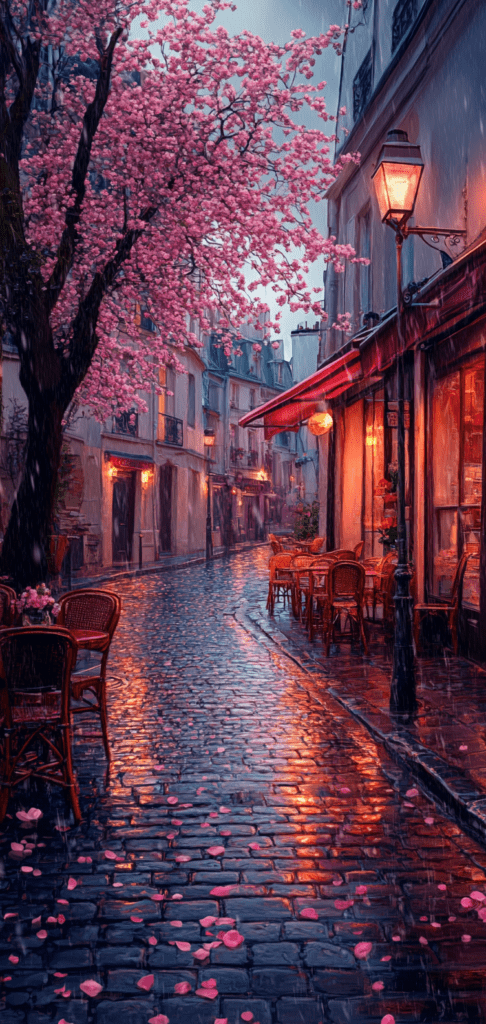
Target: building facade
413 66
256 476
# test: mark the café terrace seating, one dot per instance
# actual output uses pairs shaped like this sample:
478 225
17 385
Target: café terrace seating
317 594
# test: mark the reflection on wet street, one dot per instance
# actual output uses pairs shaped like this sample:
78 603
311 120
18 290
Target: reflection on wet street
255 856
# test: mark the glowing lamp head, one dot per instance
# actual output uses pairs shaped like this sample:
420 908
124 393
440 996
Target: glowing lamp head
145 477
320 423
209 438
397 177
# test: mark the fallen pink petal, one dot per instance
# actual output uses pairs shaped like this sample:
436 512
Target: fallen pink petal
222 890
362 950
160 1018
207 993
146 982
181 988
216 851
72 883
309 913
183 946
91 988
233 939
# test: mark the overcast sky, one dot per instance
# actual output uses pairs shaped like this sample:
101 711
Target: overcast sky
274 20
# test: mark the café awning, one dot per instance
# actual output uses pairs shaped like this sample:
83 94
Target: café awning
289 409
129 461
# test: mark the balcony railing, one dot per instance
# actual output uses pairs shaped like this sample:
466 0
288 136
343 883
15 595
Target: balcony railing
170 430
236 455
126 423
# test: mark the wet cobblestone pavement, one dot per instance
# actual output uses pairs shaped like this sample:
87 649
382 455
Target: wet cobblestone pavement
253 856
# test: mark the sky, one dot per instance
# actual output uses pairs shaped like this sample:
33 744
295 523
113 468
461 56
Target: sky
274 20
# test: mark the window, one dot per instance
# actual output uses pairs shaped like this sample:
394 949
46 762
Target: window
213 397
252 398
364 272
191 400
234 396
126 423
362 86
147 323
403 17
170 379
457 426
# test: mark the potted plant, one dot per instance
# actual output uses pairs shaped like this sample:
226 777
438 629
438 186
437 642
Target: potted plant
306 523
36 605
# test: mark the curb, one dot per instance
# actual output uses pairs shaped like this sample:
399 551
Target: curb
446 785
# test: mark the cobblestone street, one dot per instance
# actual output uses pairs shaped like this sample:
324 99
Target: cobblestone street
253 856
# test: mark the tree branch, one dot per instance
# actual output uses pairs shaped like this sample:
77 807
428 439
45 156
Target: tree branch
91 120
84 339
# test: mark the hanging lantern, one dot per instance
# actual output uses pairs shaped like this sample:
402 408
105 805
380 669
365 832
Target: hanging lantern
320 423
397 177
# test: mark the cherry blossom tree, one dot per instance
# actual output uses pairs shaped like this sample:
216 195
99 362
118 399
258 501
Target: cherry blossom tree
174 170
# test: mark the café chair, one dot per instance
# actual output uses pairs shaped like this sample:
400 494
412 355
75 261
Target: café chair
8 598
449 608
346 582
92 615
35 693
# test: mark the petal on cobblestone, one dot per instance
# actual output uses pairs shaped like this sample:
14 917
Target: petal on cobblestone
216 851
146 982
182 988
172 800
72 883
309 914
412 792
388 1019
233 939
362 950
157 897
91 987
161 1018
13 959
207 921
152 941
183 946
207 993
221 890
201 954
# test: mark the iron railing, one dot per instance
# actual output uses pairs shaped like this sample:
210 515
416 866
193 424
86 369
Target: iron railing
125 423
171 430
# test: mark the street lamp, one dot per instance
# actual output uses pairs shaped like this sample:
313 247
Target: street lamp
209 439
396 179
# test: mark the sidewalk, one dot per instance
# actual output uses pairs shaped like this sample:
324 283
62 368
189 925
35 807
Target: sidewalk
445 749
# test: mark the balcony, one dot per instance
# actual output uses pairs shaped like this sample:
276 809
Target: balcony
236 456
126 423
253 459
170 430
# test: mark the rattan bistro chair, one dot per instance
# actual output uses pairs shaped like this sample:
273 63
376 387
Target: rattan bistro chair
95 614
280 581
7 605
35 730
450 608
346 582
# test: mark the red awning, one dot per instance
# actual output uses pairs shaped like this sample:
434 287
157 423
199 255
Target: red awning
130 462
289 409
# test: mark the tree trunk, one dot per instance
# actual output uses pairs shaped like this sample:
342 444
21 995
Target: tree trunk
26 540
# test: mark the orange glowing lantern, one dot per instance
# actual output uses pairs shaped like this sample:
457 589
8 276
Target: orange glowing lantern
320 423
397 177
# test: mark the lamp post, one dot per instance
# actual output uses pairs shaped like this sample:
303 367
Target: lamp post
209 439
396 179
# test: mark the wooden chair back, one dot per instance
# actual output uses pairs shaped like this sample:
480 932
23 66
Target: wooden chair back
342 555
88 608
458 580
280 562
358 550
346 580
8 598
316 545
37 663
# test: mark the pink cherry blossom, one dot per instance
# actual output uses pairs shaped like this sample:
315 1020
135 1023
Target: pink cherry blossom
221 890
378 986
183 946
247 1015
72 883
160 1018
388 1019
309 913
412 792
206 922
216 851
207 993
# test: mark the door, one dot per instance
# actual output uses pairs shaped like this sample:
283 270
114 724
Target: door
165 491
123 517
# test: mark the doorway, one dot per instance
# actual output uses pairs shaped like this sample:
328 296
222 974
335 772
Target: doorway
123 514
166 483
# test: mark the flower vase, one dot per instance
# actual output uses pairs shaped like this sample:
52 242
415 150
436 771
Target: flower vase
36 617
